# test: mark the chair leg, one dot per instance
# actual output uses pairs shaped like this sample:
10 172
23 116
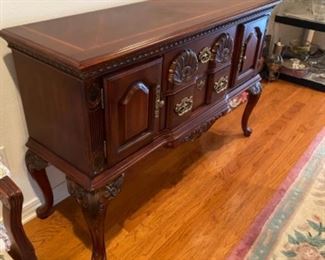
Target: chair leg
12 199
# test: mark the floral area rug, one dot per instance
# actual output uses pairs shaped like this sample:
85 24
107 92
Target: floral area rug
292 226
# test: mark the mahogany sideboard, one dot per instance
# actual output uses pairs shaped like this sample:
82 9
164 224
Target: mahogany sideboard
102 90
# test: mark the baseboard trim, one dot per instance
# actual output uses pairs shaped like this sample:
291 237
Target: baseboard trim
29 209
60 192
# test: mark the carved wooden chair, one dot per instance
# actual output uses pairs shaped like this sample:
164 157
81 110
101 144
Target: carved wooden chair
12 234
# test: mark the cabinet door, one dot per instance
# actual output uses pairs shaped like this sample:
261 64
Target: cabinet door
247 60
133 108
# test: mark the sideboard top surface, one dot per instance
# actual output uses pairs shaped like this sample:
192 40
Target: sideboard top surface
87 39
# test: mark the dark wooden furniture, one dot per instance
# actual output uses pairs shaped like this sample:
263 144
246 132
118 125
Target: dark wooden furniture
102 90
12 202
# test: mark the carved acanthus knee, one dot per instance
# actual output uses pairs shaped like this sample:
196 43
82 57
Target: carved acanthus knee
34 162
100 196
36 167
94 205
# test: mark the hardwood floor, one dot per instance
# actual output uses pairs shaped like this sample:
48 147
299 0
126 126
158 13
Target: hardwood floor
196 201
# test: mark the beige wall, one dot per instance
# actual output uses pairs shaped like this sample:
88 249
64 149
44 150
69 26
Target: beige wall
13 131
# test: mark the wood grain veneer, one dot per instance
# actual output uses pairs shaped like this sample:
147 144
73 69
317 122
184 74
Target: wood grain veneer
74 40
102 90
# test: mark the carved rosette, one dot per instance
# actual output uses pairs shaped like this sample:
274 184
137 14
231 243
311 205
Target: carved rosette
98 161
114 188
184 68
95 200
93 95
94 102
34 162
223 48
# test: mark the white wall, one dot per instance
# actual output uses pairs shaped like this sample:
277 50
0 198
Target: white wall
13 131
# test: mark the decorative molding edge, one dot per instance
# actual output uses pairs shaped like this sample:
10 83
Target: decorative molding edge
109 66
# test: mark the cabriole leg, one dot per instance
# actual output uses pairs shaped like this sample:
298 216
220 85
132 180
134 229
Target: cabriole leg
94 207
37 169
254 94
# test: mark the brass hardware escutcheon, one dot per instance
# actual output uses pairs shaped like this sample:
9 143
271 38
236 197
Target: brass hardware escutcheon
158 102
221 84
200 83
184 106
205 55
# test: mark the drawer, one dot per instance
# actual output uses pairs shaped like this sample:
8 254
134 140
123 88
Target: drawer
185 64
218 83
133 107
180 106
222 50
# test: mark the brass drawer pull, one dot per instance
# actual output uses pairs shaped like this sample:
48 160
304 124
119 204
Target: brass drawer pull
184 106
221 84
205 55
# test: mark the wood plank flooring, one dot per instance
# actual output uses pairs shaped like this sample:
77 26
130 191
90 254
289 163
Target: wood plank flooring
196 201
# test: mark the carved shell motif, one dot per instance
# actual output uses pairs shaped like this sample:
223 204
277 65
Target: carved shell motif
223 47
184 68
